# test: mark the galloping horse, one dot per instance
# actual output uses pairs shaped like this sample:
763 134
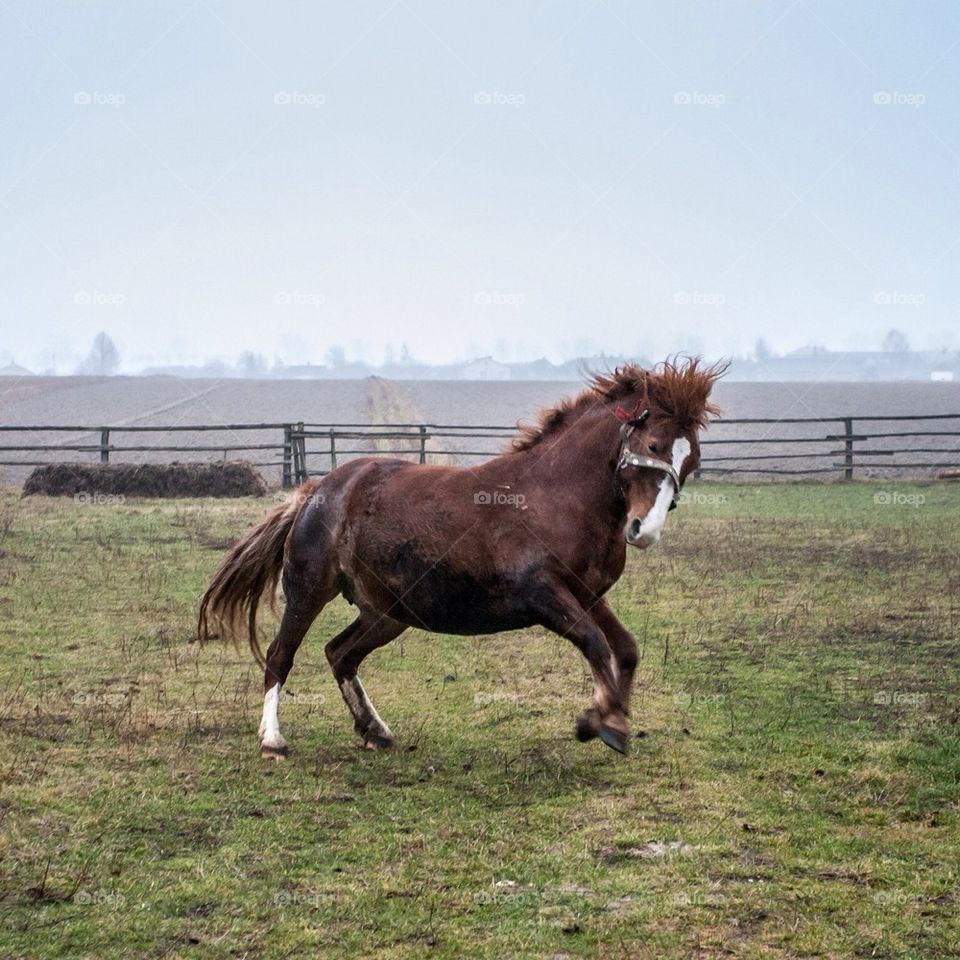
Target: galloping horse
537 535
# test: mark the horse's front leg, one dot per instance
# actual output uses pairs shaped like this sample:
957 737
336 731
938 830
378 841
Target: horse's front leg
624 649
607 718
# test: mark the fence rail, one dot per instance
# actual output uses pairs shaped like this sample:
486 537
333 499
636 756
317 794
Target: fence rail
828 445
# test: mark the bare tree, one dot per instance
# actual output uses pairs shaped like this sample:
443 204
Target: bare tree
895 342
252 364
336 358
103 359
761 351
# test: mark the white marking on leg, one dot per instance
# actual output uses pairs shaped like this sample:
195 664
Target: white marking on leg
652 524
601 695
270 735
364 712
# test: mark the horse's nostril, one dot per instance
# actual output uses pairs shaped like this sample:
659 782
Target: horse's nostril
634 528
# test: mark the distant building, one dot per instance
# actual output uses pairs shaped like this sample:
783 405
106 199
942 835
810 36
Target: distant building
302 371
485 368
15 370
541 369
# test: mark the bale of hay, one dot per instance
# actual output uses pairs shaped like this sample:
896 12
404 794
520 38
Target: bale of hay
236 478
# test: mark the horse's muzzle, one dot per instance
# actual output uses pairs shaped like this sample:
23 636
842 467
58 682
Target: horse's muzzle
637 537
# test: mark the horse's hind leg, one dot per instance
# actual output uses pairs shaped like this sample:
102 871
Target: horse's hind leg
301 610
346 652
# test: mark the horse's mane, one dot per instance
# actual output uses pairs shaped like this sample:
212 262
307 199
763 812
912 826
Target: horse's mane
678 388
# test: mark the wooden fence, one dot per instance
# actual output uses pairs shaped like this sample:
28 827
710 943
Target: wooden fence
755 446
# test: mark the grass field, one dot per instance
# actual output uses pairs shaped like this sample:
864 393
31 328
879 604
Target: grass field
793 789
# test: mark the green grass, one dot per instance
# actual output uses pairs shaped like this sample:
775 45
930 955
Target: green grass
794 792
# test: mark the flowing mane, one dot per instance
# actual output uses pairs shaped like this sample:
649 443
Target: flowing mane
680 389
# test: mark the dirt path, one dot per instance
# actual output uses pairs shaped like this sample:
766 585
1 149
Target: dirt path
388 403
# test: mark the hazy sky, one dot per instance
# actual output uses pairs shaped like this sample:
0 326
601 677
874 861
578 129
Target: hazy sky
199 178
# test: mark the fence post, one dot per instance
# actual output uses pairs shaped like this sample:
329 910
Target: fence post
287 481
423 443
333 450
300 455
105 445
848 448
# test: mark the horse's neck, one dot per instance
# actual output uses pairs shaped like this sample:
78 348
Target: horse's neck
581 457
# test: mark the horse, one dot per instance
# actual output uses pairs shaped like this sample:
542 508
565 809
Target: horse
534 536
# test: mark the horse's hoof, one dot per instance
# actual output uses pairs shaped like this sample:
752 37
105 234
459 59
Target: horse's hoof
377 741
615 739
586 727
274 753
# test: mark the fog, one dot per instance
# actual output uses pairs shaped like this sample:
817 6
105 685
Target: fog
443 182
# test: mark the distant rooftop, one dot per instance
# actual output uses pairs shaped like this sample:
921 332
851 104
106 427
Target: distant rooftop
15 370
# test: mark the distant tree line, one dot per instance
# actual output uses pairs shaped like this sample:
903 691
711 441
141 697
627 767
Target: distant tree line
104 358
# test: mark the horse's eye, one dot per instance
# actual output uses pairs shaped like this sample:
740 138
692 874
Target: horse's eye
652 446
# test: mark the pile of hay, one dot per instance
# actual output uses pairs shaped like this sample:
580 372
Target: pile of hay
93 481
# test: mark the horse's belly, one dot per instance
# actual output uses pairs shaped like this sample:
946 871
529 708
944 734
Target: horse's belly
458 615
432 595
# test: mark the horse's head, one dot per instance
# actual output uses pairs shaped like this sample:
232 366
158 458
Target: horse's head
659 445
655 459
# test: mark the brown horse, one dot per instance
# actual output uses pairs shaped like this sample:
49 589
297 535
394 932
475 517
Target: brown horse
537 535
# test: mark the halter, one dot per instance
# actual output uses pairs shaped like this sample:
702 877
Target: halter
627 458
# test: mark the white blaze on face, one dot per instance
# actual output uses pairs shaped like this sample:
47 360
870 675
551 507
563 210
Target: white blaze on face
270 724
652 524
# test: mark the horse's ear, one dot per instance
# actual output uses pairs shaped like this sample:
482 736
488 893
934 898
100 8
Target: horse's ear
636 419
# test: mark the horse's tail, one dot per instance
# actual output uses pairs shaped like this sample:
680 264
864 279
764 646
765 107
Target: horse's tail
249 572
